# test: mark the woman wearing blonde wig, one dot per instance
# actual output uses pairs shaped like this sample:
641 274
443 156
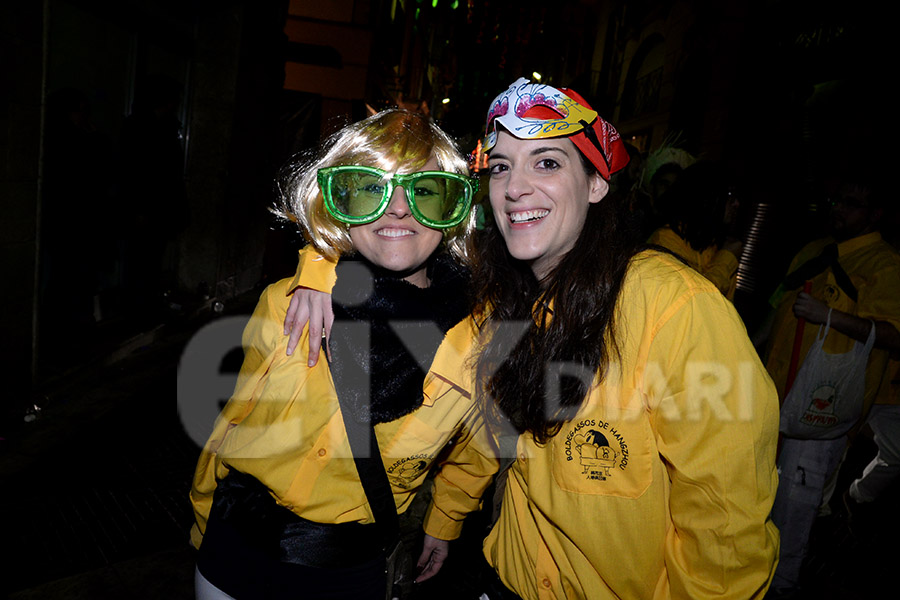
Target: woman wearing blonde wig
280 508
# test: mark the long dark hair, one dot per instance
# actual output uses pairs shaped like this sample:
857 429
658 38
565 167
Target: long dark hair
569 319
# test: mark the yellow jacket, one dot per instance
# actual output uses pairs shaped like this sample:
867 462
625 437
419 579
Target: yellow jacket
719 266
283 426
661 487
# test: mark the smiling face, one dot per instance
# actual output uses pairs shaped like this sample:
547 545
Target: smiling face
396 241
540 196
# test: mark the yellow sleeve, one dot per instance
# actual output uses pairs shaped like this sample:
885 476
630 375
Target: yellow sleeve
463 477
260 337
722 270
472 462
716 427
314 271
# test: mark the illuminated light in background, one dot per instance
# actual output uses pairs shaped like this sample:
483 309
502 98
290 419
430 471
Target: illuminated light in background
747 278
536 75
479 158
445 101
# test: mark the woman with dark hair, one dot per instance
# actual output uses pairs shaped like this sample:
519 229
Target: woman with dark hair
645 461
646 426
700 212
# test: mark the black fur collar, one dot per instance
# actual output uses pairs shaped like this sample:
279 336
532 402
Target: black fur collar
386 333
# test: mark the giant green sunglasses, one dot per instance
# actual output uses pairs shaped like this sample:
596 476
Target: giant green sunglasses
358 195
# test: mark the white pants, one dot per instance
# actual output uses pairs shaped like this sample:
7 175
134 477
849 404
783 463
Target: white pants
204 590
804 468
885 467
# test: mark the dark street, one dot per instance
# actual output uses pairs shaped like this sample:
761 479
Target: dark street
96 487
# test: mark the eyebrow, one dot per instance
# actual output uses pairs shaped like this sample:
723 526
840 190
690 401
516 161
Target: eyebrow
543 149
534 152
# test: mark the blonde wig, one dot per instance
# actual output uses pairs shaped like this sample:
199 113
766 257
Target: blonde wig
395 140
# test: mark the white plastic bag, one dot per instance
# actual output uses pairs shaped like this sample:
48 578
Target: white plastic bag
826 399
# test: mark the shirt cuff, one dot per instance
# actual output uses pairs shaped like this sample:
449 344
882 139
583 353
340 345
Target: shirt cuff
439 525
314 271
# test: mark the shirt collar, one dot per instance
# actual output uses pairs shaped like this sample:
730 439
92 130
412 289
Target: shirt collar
853 244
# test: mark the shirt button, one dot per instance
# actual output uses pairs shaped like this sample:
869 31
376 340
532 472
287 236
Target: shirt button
546 582
322 452
522 456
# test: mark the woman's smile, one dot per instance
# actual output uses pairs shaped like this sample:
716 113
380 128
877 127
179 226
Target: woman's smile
527 216
394 232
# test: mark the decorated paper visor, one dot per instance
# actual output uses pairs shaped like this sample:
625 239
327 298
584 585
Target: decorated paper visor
536 111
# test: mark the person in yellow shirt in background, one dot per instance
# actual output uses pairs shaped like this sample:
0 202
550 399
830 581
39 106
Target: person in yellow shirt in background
280 508
856 274
701 211
884 420
646 426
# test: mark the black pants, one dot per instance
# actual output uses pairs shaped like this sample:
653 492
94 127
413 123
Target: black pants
235 558
243 572
493 586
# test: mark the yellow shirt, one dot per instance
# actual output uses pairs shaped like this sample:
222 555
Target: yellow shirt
283 426
874 268
662 485
719 266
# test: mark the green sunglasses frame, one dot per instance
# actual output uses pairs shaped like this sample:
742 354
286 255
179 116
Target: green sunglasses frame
407 182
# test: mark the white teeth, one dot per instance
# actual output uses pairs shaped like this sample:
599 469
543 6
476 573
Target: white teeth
394 233
528 215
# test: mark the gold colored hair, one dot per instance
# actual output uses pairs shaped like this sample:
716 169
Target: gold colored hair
394 140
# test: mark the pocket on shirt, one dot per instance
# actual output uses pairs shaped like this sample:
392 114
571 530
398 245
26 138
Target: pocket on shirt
605 456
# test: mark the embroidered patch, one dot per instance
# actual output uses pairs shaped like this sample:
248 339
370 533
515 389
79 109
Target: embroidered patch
588 443
406 470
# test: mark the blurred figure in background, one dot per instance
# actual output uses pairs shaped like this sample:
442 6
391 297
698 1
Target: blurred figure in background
854 280
700 212
883 472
